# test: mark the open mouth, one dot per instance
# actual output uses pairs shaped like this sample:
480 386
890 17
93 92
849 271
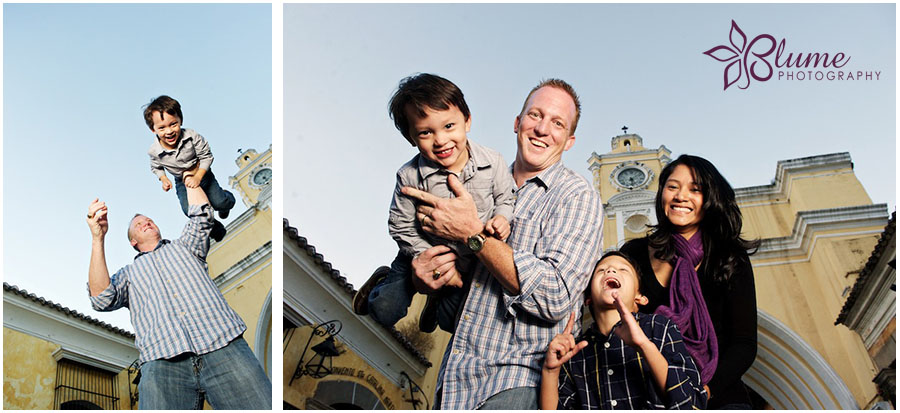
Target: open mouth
612 283
538 143
444 153
682 209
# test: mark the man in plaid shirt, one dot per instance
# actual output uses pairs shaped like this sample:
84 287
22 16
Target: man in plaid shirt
521 293
190 340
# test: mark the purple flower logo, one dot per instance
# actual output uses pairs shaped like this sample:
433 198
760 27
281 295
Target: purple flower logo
739 55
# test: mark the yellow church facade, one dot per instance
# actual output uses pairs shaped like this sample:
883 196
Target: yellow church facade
241 264
818 227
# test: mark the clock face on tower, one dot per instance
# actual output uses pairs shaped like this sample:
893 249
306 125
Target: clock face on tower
631 177
262 176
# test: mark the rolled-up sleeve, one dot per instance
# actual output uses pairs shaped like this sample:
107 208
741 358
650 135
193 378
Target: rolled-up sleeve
195 235
554 274
503 184
115 296
402 223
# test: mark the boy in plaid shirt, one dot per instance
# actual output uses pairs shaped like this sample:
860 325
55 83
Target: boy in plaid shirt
629 360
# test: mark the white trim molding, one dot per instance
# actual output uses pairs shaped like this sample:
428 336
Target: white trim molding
808 225
79 340
790 374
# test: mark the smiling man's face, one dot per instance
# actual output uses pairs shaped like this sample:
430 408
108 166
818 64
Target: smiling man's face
544 130
143 232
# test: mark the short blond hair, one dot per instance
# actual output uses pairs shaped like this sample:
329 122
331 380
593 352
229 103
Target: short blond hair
565 87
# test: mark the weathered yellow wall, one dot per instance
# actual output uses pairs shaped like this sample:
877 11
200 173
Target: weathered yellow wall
29 374
239 242
304 388
807 297
247 298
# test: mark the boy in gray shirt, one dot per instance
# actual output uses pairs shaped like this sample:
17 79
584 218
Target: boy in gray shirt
179 150
432 115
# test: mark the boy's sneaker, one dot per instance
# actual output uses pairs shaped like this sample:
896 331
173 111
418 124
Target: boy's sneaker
218 231
428 318
361 299
223 213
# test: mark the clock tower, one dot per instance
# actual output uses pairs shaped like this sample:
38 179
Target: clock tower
254 177
626 178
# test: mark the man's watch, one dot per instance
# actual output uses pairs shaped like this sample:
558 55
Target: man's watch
475 242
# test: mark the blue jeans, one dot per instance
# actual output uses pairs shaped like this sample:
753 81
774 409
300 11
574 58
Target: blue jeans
219 199
390 299
516 398
229 378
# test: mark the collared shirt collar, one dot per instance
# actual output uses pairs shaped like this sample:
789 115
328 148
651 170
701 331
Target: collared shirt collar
476 158
158 148
548 177
594 331
158 246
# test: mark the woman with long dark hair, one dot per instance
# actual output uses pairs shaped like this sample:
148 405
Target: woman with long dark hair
696 270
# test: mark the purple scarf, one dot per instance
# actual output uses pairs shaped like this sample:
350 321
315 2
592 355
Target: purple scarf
688 309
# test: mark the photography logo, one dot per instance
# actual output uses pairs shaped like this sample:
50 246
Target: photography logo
761 57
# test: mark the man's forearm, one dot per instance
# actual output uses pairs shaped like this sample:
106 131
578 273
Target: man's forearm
98 273
196 196
498 259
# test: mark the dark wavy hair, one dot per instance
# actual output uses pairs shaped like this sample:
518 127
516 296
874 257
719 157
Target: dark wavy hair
421 91
721 225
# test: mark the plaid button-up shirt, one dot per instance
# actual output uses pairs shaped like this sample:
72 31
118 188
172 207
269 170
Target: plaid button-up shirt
175 306
501 338
608 374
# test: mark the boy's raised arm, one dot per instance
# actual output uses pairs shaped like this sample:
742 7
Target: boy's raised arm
561 349
630 333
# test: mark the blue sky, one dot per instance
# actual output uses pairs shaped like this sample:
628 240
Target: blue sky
635 65
74 80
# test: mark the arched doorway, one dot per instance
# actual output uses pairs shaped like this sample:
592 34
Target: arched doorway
262 348
344 395
790 374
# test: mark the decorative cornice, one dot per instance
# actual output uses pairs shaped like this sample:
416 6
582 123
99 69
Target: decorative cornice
662 153
781 184
865 285
261 253
77 356
807 223
632 198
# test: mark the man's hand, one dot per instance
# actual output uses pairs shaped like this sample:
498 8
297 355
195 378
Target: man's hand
498 227
450 218
629 331
166 183
562 348
97 220
434 268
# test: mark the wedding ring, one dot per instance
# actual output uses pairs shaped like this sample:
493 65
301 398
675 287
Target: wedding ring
423 219
436 275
